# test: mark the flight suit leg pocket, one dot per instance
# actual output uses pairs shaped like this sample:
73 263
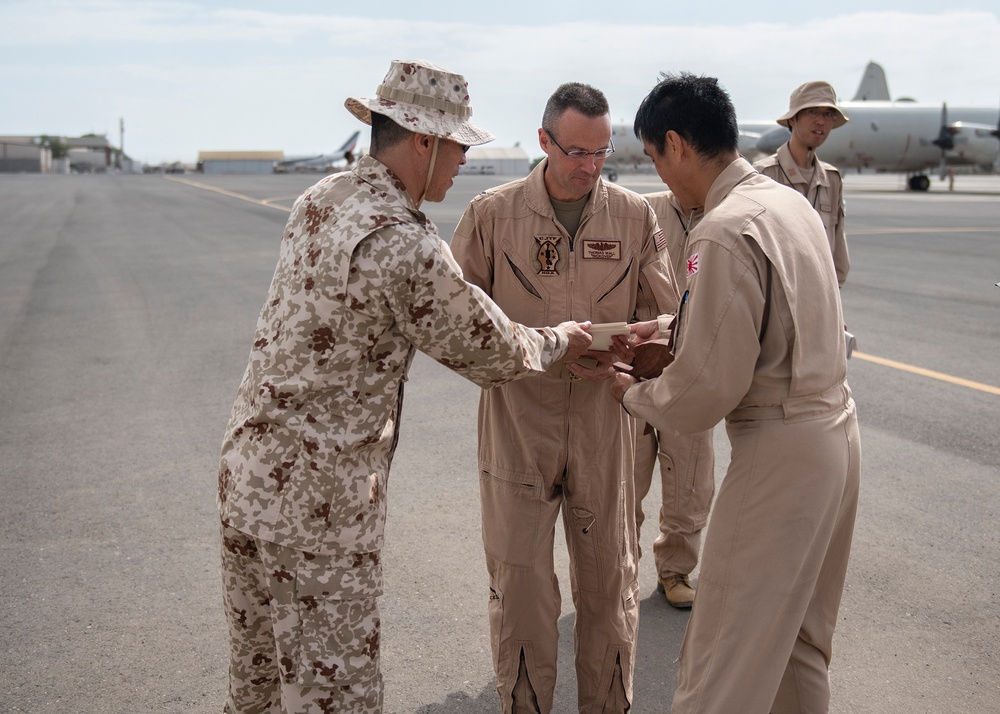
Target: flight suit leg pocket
583 538
511 510
630 608
696 480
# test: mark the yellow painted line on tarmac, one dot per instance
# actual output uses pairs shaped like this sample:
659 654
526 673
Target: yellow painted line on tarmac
224 192
979 386
989 389
923 229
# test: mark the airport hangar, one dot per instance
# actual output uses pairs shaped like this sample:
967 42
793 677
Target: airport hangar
77 154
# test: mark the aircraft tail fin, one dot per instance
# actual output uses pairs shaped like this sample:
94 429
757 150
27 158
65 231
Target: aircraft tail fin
873 85
350 143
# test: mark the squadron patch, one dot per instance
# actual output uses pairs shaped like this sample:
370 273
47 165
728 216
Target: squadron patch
692 264
602 250
548 255
660 241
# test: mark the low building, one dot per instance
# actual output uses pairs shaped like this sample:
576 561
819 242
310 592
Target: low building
239 162
23 157
498 161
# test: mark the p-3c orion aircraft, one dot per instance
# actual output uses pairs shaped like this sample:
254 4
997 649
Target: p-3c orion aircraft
885 135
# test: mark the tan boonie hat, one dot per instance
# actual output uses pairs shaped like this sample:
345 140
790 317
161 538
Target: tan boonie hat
813 94
425 99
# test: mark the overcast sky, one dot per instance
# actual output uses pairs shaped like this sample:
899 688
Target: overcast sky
221 75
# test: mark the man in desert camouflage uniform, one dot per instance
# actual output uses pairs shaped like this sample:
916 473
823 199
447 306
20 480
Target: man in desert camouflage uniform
362 281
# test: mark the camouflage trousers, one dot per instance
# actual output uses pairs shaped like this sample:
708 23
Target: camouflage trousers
303 629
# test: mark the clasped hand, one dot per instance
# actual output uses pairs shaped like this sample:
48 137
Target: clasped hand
597 366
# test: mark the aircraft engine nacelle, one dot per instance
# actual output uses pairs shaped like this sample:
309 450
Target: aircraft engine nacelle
974 144
770 141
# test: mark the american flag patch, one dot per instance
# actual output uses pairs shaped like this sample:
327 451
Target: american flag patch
659 240
692 265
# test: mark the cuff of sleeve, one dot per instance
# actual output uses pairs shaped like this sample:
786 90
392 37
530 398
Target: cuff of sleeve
663 323
562 344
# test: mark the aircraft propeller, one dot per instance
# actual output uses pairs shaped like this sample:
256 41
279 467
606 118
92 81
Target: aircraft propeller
945 140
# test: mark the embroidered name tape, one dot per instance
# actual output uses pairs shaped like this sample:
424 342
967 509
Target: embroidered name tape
602 250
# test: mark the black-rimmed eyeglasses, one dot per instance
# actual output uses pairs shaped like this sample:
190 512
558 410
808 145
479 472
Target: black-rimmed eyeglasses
580 153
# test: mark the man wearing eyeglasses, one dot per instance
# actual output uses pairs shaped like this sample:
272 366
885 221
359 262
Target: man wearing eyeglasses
563 242
812 114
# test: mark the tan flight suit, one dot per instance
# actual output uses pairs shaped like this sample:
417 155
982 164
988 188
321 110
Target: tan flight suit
825 192
687 463
775 558
551 443
362 281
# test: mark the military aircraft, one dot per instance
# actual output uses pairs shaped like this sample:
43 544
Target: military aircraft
885 135
630 154
904 135
322 162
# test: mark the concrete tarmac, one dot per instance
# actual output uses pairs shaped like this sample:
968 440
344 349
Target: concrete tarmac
127 309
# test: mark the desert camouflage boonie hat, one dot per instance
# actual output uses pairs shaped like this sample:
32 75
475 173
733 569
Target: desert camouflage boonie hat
426 99
813 94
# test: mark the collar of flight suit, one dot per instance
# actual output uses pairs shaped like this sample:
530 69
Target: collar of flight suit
733 174
676 205
788 165
537 197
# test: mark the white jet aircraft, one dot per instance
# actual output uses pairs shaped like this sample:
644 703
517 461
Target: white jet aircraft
323 162
902 135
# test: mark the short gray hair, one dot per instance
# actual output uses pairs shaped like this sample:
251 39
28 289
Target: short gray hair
585 99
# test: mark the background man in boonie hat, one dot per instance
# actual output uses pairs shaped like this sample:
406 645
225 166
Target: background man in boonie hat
362 281
812 114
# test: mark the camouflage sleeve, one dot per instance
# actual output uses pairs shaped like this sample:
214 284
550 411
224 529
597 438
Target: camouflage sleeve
657 284
455 322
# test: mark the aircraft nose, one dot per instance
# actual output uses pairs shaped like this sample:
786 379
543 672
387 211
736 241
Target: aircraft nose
771 140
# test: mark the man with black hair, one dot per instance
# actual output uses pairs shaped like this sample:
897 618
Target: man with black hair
562 243
758 342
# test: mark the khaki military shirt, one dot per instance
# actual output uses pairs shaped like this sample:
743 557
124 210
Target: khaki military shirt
616 269
826 194
362 280
721 363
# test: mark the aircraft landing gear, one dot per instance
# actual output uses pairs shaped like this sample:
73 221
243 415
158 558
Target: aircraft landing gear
920 182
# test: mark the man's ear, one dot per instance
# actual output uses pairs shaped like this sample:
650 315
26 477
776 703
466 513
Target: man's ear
543 140
673 143
422 142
